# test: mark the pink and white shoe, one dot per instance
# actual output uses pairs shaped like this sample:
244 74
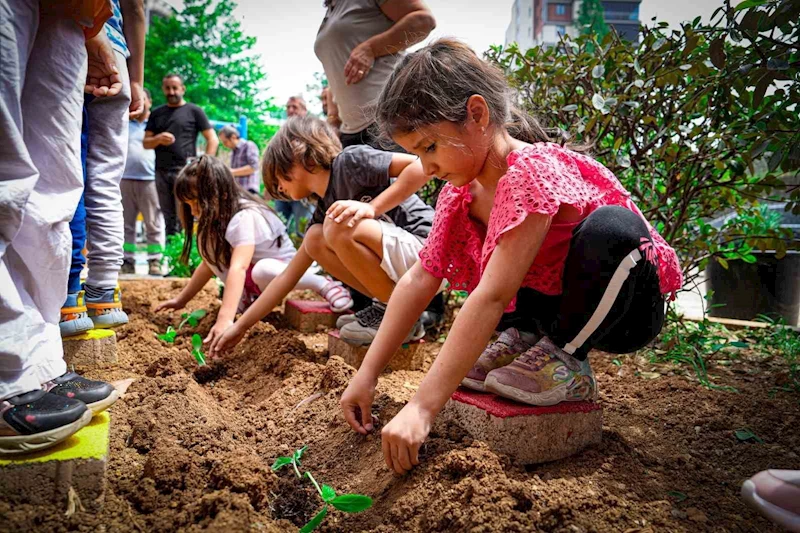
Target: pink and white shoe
776 495
337 296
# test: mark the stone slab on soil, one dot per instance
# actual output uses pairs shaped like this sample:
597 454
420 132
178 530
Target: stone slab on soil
526 433
306 316
409 356
96 347
46 477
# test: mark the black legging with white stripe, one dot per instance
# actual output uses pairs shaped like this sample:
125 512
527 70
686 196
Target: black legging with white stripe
611 298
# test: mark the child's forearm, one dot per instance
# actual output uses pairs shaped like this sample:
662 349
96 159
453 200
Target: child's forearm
409 180
134 30
234 286
413 293
198 280
276 291
469 335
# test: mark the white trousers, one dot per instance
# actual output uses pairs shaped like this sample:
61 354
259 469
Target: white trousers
265 270
42 72
105 163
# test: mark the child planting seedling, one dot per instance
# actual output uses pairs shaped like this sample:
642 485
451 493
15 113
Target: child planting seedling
197 352
349 503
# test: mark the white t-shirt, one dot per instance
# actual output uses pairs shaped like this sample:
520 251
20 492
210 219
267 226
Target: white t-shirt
261 227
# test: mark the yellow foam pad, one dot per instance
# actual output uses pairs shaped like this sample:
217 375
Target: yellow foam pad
92 334
91 442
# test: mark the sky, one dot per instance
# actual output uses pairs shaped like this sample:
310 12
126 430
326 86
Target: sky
286 29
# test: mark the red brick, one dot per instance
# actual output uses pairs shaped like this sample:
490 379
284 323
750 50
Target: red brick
307 316
409 356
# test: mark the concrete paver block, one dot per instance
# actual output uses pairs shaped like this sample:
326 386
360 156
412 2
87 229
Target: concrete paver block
96 347
409 356
526 433
306 316
45 477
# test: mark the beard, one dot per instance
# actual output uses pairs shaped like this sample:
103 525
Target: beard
174 99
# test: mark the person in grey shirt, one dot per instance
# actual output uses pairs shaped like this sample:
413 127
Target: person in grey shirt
359 42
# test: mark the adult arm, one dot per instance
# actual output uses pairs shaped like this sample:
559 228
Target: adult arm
212 142
251 158
471 331
152 141
273 295
413 22
134 30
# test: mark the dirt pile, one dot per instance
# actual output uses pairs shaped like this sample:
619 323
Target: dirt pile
191 448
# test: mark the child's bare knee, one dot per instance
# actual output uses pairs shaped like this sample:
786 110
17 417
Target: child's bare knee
336 233
314 241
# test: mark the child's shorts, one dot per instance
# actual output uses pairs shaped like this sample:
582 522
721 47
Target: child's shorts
400 250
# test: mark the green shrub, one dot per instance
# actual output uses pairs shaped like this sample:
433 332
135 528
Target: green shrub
172 255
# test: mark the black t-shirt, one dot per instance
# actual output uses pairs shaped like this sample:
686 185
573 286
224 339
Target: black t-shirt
184 122
361 173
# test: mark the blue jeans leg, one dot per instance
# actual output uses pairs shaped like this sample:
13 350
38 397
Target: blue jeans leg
78 223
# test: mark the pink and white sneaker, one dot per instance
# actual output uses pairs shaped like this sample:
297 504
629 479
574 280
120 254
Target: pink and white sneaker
337 296
508 346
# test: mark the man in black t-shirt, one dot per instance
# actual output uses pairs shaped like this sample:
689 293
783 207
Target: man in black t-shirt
172 132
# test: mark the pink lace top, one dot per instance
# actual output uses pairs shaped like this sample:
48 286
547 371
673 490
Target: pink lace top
540 179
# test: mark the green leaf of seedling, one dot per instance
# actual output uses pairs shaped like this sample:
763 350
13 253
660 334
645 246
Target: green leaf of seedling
617 362
328 493
739 344
197 341
746 434
679 496
315 522
280 462
298 454
352 503
168 336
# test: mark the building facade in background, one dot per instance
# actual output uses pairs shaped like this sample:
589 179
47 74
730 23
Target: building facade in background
536 22
156 8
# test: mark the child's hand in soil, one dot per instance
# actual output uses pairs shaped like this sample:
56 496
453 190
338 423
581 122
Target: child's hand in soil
403 437
227 340
175 303
220 327
357 399
355 211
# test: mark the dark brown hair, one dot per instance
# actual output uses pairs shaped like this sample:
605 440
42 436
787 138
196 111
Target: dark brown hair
433 85
305 140
209 181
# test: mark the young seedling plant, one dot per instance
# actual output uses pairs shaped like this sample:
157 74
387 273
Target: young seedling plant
168 336
349 503
192 318
197 352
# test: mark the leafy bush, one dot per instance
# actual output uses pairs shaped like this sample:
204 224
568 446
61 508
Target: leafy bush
172 255
694 121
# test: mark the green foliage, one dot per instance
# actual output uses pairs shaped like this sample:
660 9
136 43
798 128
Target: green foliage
691 123
168 336
204 43
746 435
782 341
349 503
192 318
591 19
197 351
172 255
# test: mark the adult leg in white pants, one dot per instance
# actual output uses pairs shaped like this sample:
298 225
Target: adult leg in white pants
105 163
42 73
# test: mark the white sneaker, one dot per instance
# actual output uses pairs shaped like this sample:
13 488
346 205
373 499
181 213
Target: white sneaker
363 330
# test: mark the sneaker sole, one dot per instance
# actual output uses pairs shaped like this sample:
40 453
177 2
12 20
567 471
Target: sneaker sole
417 335
342 309
474 384
342 321
39 441
541 399
102 405
109 323
78 326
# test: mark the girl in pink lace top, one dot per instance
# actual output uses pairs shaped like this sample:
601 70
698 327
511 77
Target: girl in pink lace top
550 246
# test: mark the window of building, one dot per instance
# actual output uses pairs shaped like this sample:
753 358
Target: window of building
621 10
530 11
559 12
561 9
561 30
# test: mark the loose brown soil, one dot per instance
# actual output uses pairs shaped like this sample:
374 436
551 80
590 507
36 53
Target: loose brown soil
191 448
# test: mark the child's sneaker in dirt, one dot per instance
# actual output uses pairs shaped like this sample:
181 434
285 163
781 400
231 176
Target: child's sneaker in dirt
97 395
154 267
37 420
544 375
369 314
508 346
105 307
337 296
128 267
74 316
363 330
